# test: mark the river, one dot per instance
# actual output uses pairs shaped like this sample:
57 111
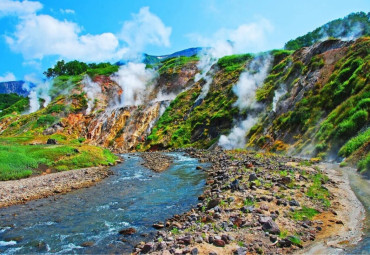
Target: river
133 197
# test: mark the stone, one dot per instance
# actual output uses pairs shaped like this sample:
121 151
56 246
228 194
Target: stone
213 203
294 203
147 247
252 177
285 180
51 141
127 231
158 225
240 251
219 243
87 244
269 225
194 251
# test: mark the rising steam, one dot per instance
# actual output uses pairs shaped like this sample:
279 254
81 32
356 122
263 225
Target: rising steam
245 89
136 82
92 90
38 93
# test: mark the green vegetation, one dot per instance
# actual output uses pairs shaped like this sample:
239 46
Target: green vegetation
75 67
234 62
336 28
354 143
317 191
305 213
364 164
21 104
18 160
172 65
6 100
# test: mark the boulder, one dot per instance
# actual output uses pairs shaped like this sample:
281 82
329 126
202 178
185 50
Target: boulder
51 141
127 231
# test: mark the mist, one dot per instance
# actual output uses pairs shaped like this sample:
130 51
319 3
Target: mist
39 91
136 82
92 90
281 91
245 89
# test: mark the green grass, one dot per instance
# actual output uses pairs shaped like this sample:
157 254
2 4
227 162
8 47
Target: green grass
20 160
364 164
317 191
353 144
304 213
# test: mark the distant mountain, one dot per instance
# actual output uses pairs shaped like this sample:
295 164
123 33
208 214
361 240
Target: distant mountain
13 87
350 27
150 59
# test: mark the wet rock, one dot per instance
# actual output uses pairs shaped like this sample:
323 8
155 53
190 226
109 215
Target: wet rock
127 231
199 168
87 244
212 253
158 225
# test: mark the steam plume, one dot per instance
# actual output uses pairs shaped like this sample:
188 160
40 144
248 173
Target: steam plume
245 89
136 82
92 90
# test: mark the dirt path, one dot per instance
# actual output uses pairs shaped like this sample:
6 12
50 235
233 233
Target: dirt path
21 191
348 209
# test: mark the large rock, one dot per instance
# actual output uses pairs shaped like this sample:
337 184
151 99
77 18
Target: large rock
51 141
127 231
269 225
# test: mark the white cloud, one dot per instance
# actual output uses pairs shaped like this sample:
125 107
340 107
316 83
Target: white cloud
145 28
249 37
67 11
7 77
37 36
18 8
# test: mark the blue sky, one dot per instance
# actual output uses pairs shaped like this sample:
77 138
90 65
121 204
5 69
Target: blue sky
35 34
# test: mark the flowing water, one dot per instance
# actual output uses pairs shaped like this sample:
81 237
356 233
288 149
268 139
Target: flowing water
361 186
133 197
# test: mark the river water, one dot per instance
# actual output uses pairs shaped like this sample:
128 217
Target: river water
133 197
361 186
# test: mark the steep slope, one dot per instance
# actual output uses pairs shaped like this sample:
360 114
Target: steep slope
349 28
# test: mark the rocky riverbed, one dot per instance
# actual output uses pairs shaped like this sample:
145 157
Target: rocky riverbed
21 191
256 203
155 161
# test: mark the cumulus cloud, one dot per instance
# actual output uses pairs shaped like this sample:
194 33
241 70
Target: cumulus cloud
7 77
18 8
37 36
145 28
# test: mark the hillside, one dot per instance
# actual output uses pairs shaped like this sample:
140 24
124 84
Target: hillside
311 102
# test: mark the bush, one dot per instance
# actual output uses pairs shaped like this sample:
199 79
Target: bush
46 120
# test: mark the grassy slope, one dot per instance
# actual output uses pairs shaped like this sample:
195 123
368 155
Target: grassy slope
18 159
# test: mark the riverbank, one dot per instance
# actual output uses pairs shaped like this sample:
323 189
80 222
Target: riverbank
266 204
21 191
348 209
